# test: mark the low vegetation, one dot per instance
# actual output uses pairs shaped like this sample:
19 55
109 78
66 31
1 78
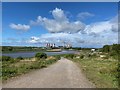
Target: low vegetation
40 55
100 67
12 67
102 72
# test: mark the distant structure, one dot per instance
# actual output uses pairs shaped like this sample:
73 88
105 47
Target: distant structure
50 45
92 50
68 45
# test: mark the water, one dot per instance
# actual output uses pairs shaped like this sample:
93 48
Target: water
32 54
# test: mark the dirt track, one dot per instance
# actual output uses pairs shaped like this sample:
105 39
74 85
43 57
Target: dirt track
63 74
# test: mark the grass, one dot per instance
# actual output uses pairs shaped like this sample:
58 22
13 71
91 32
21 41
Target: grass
101 71
14 69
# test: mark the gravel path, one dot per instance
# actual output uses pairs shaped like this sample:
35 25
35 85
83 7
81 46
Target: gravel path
63 74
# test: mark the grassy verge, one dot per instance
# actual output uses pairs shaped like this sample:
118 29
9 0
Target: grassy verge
16 67
103 72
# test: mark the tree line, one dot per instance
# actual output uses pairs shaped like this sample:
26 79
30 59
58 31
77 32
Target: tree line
18 48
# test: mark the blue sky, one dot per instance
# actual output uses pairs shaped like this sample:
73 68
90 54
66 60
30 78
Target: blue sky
83 22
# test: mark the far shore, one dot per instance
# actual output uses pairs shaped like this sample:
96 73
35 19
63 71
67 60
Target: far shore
54 50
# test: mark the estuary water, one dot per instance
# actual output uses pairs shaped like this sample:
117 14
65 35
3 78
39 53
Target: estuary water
32 54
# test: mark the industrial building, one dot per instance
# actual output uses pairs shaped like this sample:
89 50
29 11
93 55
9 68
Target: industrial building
50 45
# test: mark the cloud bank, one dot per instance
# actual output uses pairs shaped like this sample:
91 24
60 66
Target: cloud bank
62 29
59 23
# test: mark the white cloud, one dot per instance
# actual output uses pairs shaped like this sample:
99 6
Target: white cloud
60 23
19 26
58 38
34 39
115 23
59 15
95 35
98 27
77 39
74 32
84 15
102 27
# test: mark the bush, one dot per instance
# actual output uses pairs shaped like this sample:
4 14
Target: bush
0 58
81 56
88 55
9 72
7 58
43 64
106 48
39 56
113 53
19 58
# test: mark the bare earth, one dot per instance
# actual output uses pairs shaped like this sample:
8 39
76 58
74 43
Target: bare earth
63 74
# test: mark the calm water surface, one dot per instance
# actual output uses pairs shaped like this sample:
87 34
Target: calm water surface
32 54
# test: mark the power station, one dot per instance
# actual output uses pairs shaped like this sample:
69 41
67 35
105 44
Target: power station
52 45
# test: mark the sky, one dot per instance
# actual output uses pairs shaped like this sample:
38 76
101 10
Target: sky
81 24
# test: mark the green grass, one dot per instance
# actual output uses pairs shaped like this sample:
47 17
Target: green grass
103 73
17 68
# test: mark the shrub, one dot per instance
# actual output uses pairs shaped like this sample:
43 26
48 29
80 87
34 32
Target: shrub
39 56
106 48
81 56
0 58
114 54
9 72
7 58
19 58
43 64
89 55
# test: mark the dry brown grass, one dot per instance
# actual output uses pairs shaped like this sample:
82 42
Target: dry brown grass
50 58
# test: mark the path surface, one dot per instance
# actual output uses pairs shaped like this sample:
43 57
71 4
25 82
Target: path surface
62 74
